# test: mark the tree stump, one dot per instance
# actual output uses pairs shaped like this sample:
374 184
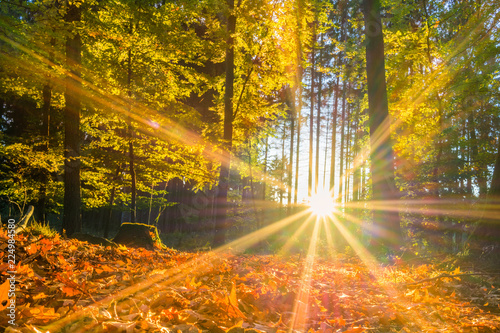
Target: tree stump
138 235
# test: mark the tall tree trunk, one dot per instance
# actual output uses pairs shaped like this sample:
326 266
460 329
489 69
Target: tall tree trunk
318 118
42 201
264 184
297 160
72 201
342 131
110 203
495 180
252 190
334 129
282 173
298 96
45 133
469 156
292 137
356 163
482 166
381 154
133 179
473 144
347 155
488 229
221 217
326 150
311 114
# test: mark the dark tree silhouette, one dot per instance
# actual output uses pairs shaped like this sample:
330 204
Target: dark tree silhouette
382 156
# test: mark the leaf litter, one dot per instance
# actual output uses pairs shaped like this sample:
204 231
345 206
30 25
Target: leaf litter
65 285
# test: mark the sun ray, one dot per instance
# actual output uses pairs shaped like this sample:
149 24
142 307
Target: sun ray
196 266
289 243
329 240
375 269
301 304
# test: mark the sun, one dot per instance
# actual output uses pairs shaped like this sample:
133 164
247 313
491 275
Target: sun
322 203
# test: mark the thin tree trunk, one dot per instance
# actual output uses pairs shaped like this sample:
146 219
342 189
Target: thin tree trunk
252 192
495 180
298 99
45 132
221 217
292 137
110 204
72 210
133 180
282 173
150 203
297 160
334 135
318 117
356 166
348 173
326 151
311 115
482 167
334 130
342 131
264 184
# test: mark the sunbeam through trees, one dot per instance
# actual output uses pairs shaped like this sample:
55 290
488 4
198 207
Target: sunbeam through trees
249 166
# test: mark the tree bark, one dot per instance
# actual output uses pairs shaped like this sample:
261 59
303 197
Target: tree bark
72 201
356 164
342 137
334 131
264 184
293 112
42 201
110 204
298 87
297 160
311 116
347 173
133 178
495 180
318 118
282 173
221 215
381 154
326 150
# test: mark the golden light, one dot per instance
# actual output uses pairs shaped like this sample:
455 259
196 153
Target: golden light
322 203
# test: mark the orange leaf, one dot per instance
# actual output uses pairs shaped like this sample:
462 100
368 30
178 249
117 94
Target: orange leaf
4 295
71 291
106 268
32 249
233 300
340 321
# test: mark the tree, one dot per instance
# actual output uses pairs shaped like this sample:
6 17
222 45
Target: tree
382 156
72 201
220 221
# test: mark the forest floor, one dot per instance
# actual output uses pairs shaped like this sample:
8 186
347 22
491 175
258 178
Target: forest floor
65 285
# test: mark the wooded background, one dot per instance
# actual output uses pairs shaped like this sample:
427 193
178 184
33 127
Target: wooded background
161 112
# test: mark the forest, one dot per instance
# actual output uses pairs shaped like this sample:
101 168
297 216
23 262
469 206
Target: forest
249 166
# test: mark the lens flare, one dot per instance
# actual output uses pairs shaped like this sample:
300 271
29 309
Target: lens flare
322 203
